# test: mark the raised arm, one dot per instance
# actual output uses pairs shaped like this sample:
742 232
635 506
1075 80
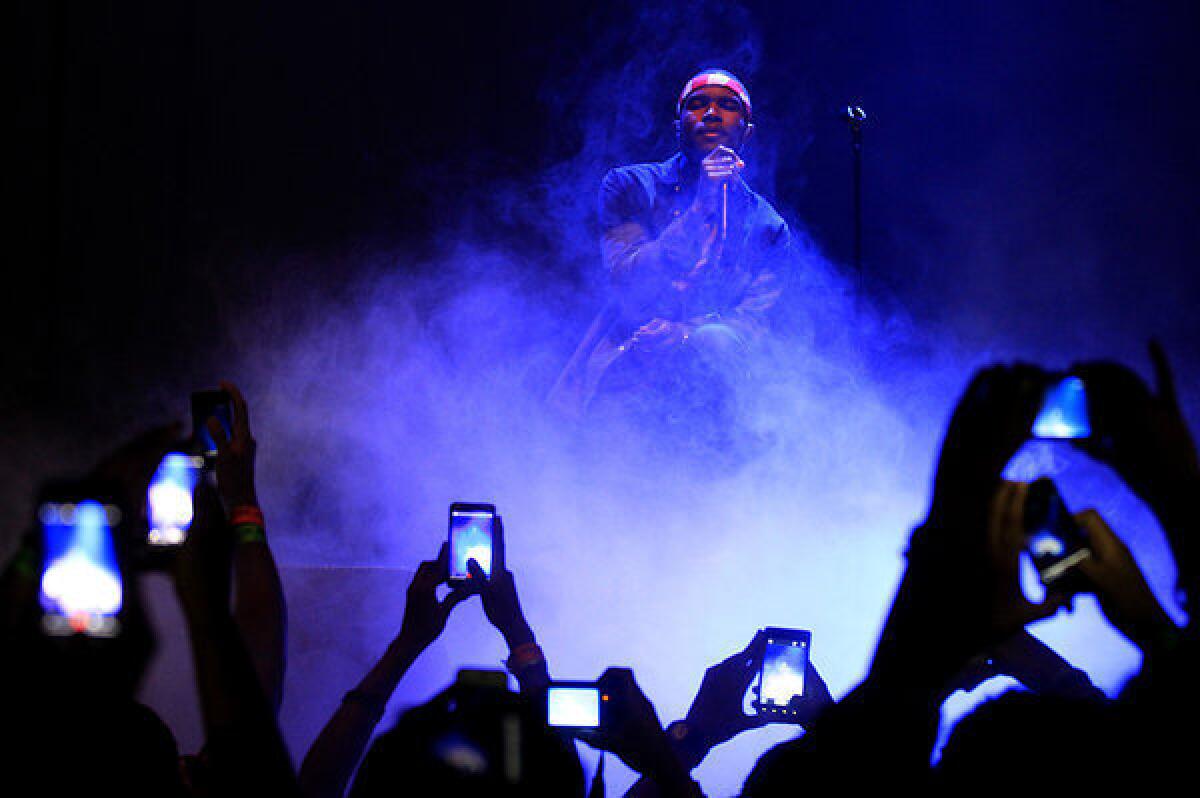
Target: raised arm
330 762
502 606
259 607
245 751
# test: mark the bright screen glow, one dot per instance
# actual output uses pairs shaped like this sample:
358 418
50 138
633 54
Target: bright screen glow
1064 412
81 586
576 707
784 665
169 500
470 538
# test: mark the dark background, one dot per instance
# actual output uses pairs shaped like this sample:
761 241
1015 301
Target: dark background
1019 156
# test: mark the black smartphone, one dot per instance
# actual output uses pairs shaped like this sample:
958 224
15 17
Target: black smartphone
81 589
206 405
1054 541
1063 414
169 508
781 673
577 706
473 534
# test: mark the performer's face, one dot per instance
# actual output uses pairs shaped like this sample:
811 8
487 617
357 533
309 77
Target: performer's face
712 116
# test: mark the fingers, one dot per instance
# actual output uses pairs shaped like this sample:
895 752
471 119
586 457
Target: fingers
431 573
498 559
241 416
1164 379
755 721
1006 522
722 163
1052 603
749 654
1104 543
218 434
476 572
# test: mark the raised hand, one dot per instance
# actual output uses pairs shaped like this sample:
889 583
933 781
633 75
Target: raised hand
501 604
719 167
235 453
1010 609
991 422
1126 599
425 616
658 335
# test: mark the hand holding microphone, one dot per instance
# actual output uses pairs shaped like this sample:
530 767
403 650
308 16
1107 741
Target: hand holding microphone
719 167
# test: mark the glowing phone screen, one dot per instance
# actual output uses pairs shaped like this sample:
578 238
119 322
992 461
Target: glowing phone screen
169 500
1064 412
81 590
470 538
782 678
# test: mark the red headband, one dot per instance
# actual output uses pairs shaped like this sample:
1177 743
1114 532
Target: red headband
716 77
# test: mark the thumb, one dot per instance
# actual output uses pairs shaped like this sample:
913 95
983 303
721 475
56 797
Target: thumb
1163 378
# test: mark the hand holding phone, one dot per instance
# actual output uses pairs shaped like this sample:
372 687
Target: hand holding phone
782 673
1055 542
424 615
206 405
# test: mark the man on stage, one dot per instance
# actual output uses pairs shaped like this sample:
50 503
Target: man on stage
694 258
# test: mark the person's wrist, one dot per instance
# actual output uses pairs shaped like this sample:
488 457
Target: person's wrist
689 742
662 763
411 641
518 634
523 657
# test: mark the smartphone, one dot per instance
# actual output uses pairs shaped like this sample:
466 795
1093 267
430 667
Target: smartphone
1054 541
81 588
472 535
206 405
781 672
169 500
1064 411
576 706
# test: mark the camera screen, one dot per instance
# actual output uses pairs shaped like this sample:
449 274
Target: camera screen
573 707
1064 413
782 678
81 589
470 538
169 500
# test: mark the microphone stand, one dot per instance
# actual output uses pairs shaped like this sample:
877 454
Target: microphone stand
855 117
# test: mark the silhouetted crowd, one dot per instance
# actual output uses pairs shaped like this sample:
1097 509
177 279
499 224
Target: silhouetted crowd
77 643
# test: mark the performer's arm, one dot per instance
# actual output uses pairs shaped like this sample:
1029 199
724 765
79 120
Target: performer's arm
750 317
638 265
